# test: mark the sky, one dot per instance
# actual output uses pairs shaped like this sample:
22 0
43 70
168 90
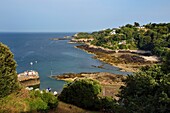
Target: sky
79 15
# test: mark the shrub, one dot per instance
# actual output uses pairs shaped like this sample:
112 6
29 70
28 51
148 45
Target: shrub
8 75
50 99
109 105
47 100
38 104
82 93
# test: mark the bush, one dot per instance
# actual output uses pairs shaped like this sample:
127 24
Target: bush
122 46
50 99
46 101
82 93
8 75
83 35
38 104
110 105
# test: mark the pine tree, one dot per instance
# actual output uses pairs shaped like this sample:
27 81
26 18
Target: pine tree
8 75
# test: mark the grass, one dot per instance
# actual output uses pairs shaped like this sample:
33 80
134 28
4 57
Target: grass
18 102
68 108
15 102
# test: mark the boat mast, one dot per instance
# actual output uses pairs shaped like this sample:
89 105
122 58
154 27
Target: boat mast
51 69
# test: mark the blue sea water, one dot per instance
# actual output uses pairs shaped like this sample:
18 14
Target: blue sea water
51 57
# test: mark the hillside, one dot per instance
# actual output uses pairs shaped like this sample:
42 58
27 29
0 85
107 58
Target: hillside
151 37
130 46
19 102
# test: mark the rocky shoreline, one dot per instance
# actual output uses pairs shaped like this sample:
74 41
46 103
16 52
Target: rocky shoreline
110 82
102 77
126 60
55 39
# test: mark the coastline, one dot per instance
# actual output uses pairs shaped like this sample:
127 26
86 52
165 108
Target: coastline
126 60
110 82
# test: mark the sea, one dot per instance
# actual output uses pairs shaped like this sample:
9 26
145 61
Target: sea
51 57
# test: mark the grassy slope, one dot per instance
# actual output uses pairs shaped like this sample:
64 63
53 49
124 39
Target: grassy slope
18 102
68 108
15 102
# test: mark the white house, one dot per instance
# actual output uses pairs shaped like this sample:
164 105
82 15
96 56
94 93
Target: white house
122 42
113 32
140 27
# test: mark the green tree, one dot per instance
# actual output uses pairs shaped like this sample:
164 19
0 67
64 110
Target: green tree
82 93
8 75
136 24
147 91
129 25
166 64
109 105
42 101
83 35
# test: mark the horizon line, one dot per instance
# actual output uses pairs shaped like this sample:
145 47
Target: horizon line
36 32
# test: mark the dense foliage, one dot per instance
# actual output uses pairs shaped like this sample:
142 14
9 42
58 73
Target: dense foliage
83 93
83 35
166 64
147 91
153 37
109 105
8 75
42 101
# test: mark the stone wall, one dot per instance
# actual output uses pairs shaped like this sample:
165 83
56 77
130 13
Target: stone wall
30 82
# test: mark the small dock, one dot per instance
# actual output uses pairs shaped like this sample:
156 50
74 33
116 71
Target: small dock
29 78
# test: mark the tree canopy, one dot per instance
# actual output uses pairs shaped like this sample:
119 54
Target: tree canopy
8 75
153 37
83 93
147 91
